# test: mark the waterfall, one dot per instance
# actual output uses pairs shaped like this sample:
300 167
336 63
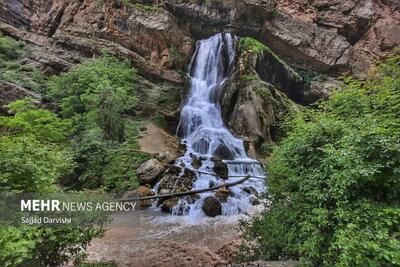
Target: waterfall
202 130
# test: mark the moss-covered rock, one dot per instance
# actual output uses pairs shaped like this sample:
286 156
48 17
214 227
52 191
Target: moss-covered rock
272 69
252 107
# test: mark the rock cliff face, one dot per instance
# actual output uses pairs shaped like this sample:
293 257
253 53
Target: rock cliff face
316 36
320 35
151 38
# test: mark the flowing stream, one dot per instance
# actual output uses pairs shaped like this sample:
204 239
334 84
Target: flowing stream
203 131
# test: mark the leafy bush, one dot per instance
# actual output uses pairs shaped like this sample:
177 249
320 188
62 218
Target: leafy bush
97 92
33 156
265 149
122 162
335 180
28 119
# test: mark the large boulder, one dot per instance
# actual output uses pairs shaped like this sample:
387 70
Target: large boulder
212 206
150 171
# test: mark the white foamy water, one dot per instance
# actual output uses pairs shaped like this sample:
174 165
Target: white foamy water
203 131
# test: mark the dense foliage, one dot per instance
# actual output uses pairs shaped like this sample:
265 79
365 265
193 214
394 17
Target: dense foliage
33 155
335 180
90 144
95 96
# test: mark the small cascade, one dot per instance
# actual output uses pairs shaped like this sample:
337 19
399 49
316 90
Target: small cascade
205 136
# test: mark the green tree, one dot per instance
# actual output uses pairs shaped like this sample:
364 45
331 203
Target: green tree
33 156
335 180
97 92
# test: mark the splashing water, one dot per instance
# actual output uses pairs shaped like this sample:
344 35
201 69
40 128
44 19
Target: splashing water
202 129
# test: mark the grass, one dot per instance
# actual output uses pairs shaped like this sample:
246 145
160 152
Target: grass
142 7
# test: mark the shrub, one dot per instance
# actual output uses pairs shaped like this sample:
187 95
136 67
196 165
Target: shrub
28 119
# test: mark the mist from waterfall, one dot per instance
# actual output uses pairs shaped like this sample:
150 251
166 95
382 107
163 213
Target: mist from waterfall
203 131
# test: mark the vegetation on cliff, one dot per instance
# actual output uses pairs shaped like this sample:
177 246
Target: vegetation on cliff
12 70
90 143
334 181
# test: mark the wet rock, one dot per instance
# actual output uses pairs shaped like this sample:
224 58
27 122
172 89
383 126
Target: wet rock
149 171
192 198
211 184
182 148
252 107
220 168
169 204
222 194
172 182
196 162
180 208
273 70
224 152
254 201
212 206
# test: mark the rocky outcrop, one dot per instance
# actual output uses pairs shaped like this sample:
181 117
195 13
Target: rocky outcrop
151 37
320 88
274 70
370 27
10 92
302 43
204 18
149 171
250 106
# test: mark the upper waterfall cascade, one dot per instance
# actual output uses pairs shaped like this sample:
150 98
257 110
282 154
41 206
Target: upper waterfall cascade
202 130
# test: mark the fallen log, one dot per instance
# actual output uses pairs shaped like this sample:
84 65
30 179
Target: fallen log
181 194
230 176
